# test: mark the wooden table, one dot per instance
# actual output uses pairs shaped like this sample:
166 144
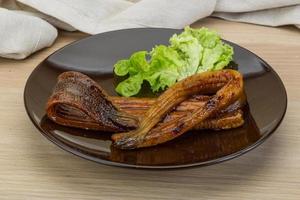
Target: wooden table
31 167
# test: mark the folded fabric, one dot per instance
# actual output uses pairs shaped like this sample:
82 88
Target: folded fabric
23 34
28 25
271 17
238 6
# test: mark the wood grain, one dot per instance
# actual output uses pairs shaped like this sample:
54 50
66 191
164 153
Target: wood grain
33 168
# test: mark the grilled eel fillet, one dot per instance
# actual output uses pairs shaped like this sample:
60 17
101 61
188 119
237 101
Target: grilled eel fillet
227 86
78 101
228 118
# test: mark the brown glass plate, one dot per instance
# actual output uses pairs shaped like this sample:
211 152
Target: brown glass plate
96 55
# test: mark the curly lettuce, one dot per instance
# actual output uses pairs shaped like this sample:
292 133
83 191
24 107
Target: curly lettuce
163 70
192 51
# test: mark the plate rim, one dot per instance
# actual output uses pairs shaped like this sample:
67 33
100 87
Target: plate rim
85 156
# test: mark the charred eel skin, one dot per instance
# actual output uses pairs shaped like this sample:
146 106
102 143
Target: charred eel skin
78 101
227 86
231 117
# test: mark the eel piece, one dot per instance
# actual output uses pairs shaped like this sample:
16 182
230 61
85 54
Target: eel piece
138 106
231 117
228 86
78 101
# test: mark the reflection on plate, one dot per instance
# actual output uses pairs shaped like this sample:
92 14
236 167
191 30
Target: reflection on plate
193 147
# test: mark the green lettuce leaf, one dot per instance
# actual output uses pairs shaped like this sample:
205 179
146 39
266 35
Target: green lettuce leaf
136 66
192 51
131 86
216 54
163 70
121 68
215 58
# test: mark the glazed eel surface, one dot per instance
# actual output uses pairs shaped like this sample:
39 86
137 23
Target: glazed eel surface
78 101
227 86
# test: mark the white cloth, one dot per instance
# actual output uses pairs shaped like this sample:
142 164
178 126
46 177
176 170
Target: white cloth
28 25
21 34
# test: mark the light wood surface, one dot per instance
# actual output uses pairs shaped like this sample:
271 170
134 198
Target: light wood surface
33 168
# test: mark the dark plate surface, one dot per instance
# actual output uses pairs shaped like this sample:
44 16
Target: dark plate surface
96 55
